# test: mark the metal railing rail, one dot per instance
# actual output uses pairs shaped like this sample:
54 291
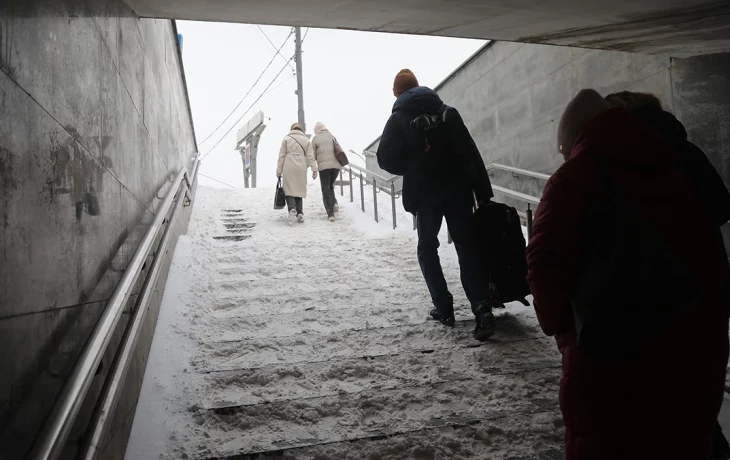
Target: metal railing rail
52 439
387 185
379 183
519 171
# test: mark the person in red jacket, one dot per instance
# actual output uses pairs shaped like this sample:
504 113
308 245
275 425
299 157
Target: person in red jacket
643 328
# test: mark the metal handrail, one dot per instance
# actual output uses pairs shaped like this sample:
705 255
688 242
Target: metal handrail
522 172
374 174
370 177
52 439
529 199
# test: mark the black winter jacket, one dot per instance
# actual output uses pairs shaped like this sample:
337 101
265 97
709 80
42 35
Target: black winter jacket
465 172
691 161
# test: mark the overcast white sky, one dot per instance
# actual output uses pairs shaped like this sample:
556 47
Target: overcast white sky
348 80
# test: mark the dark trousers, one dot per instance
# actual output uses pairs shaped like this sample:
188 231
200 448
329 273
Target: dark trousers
458 213
293 202
327 178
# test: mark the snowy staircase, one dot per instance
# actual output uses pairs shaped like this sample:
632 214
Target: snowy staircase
311 342
238 226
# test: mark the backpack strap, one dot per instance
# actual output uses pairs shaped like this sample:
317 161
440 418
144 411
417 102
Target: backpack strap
442 112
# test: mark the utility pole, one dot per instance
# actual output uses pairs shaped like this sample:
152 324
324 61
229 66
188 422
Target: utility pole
300 85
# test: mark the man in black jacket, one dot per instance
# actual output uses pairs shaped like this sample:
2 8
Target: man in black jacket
428 144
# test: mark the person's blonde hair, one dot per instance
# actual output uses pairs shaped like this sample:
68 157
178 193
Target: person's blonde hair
296 126
633 100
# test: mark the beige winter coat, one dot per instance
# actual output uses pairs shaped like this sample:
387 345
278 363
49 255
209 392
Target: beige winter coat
296 151
324 151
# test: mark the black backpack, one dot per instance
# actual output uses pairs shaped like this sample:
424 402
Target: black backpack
431 138
631 284
501 246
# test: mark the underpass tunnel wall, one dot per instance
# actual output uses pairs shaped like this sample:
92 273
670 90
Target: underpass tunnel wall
95 125
511 97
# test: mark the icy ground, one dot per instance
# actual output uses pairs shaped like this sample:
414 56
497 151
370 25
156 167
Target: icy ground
311 342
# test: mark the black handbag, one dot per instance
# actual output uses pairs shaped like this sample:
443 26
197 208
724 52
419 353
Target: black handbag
279 198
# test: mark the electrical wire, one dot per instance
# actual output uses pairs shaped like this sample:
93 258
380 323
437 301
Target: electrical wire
247 92
216 180
247 110
279 85
272 44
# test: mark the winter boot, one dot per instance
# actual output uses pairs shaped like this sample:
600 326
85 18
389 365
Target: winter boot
445 313
300 218
331 218
486 323
447 319
292 217
337 207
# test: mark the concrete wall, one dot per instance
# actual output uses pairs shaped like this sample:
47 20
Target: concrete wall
511 96
94 123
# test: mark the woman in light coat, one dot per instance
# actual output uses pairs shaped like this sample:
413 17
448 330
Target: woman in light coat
294 156
329 167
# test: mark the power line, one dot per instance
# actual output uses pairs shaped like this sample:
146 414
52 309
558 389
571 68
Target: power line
279 85
272 44
247 92
267 44
216 180
305 34
247 110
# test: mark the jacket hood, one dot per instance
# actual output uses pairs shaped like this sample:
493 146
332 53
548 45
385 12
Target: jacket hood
319 127
663 122
625 140
418 100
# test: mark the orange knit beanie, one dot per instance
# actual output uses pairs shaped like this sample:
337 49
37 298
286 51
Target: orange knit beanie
404 81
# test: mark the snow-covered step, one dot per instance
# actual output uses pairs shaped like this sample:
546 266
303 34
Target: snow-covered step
238 225
304 282
380 253
368 343
268 427
365 300
232 237
310 322
354 375
239 289
325 272
483 440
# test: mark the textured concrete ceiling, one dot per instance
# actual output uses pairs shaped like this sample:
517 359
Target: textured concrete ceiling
674 27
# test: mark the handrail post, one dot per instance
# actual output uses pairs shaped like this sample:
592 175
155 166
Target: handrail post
529 222
352 198
342 186
362 192
392 201
375 198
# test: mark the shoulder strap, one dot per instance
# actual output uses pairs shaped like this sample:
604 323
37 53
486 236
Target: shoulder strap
442 112
304 151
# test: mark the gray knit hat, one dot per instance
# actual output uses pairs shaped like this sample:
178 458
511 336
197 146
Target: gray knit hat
583 108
